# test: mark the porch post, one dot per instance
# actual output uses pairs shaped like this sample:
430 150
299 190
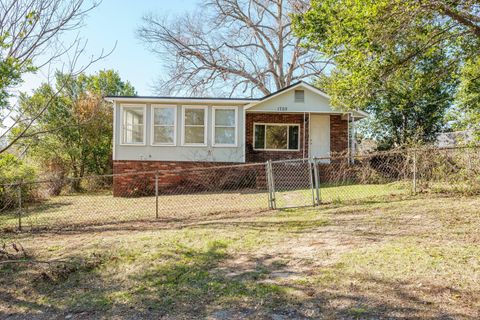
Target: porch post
354 140
348 138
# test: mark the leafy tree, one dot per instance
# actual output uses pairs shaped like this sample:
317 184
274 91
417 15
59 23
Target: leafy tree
396 59
30 32
74 134
466 114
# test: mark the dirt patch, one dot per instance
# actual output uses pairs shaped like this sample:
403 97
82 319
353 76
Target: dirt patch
416 258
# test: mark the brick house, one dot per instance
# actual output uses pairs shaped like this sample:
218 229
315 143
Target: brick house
166 133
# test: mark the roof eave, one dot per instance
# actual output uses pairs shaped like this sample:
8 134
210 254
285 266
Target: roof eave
174 100
286 89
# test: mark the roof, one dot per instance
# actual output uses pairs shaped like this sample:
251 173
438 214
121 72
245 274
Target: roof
160 99
246 100
290 87
249 102
294 85
178 98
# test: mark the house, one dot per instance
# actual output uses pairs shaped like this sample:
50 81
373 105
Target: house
163 133
454 139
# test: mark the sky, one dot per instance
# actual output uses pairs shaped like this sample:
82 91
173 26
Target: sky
116 21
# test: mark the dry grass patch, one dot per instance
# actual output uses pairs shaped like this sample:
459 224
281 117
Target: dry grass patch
90 209
409 258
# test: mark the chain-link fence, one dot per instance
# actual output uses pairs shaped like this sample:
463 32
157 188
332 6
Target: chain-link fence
223 191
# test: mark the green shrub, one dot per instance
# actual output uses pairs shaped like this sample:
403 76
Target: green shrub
12 171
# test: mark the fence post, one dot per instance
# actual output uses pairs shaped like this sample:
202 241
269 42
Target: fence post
312 182
19 207
414 182
267 176
270 185
317 181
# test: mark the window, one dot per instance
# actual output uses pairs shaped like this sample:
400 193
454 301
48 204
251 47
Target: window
225 126
133 127
194 126
276 137
164 125
299 96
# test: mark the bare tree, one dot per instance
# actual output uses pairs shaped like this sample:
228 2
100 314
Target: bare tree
231 45
30 38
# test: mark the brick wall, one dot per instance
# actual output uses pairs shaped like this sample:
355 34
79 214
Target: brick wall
252 155
137 178
338 134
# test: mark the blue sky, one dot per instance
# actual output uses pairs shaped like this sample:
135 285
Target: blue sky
116 21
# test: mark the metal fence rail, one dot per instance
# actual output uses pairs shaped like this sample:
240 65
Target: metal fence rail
214 192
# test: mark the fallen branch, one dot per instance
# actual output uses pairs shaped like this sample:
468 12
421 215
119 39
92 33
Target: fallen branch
34 261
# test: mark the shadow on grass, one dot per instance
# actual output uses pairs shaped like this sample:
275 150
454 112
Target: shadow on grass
180 281
191 283
45 207
183 282
368 297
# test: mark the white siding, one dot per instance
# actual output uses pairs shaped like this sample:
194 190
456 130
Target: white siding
179 152
285 102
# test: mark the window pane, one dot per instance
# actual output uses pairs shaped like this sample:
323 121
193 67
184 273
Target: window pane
259 137
133 134
293 137
194 117
225 118
133 115
225 135
276 137
194 135
163 135
164 116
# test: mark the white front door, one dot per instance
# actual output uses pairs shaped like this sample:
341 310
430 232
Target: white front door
319 135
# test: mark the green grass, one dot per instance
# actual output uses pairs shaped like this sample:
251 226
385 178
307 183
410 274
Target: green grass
408 258
102 208
341 194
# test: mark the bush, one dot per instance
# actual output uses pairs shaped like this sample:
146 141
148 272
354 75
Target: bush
13 170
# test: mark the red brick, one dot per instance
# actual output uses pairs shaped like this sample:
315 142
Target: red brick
262 156
182 177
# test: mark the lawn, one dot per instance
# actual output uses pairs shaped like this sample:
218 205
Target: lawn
409 257
101 207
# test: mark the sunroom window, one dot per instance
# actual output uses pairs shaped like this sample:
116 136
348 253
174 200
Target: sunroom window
225 126
133 128
276 136
194 125
164 123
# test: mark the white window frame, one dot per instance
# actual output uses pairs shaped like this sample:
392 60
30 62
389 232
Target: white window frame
153 125
288 135
122 131
205 125
214 127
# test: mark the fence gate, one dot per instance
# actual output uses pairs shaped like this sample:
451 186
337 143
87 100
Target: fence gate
292 183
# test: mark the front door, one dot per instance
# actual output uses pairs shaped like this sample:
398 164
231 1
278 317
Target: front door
319 135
